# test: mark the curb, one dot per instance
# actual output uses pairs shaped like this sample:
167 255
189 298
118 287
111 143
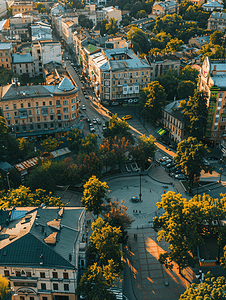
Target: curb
163 182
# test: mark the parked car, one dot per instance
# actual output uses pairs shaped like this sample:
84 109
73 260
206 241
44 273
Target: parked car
99 121
89 121
166 162
92 129
104 127
180 177
164 158
170 165
94 121
83 107
86 96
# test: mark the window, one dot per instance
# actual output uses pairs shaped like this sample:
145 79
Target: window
14 106
6 273
66 287
55 275
43 286
39 126
29 104
32 298
21 105
55 286
50 102
125 75
36 103
45 125
18 274
21 297
58 102
51 117
38 119
44 111
28 274
65 275
37 111
51 111
6 107
65 109
44 298
29 112
65 102
73 108
72 100
66 117
7 115
43 103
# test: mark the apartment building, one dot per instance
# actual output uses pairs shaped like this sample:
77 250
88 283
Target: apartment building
164 7
212 80
112 12
199 41
173 121
160 64
23 64
40 109
6 55
41 31
67 28
3 8
213 5
19 27
217 21
41 250
20 6
118 74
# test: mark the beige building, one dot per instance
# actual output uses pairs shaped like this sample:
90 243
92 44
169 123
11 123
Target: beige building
20 6
165 7
112 12
118 75
40 109
213 81
23 64
41 251
6 55
217 21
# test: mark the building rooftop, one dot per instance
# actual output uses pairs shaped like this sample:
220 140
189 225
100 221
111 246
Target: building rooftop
175 110
24 240
22 58
166 3
218 15
5 46
213 4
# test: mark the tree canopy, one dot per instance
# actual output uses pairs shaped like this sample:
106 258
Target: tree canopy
50 144
112 26
152 100
190 158
139 40
94 195
4 287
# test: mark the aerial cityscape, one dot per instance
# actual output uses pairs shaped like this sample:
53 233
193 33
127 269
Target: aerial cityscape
112 150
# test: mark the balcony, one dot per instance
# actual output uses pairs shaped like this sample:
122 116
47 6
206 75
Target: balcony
44 291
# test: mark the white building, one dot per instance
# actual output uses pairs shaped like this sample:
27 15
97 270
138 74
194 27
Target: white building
213 5
40 251
112 12
3 8
50 51
41 31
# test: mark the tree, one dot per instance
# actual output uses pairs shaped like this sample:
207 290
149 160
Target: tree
5 76
89 144
196 111
216 38
210 288
3 136
23 197
4 287
186 89
108 156
117 127
144 149
85 22
88 165
169 82
50 144
26 148
74 140
160 40
112 26
117 216
102 25
188 73
152 99
184 225
173 45
40 6
120 146
139 40
189 158
94 195
141 14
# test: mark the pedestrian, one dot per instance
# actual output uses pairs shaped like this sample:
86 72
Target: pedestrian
164 191
130 247
150 190
127 186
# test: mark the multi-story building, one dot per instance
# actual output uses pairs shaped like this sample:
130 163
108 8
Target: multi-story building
67 29
23 64
118 74
199 41
6 55
3 8
20 6
213 81
41 250
160 64
40 109
41 31
165 7
19 27
173 121
217 21
112 12
213 5
198 2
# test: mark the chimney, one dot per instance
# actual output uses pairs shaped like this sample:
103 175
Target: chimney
214 72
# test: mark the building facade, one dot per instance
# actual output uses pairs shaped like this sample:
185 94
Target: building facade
217 21
40 253
163 8
3 8
21 6
213 5
23 64
6 55
212 81
41 109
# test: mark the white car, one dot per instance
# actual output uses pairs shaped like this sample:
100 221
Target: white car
83 107
86 96
180 177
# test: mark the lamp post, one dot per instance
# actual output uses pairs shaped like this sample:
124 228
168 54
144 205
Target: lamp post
7 176
139 171
221 170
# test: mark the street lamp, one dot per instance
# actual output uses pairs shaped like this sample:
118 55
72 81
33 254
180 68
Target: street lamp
139 171
221 170
7 175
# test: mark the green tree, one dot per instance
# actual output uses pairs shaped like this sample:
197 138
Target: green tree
116 215
4 287
144 149
189 158
160 40
88 165
23 197
188 73
141 14
210 288
117 127
89 144
196 111
102 25
169 82
26 148
139 40
112 26
50 144
152 99
40 6
216 37
3 137
174 45
186 89
85 22
108 156
74 140
94 195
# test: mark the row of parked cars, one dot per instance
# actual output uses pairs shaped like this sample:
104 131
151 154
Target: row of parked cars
171 168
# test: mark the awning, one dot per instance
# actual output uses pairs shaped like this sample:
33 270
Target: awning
161 131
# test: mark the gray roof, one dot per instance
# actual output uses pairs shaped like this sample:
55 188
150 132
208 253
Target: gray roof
22 58
23 241
175 110
166 4
5 46
218 15
66 85
213 4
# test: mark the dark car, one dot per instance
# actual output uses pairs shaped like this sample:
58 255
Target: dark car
170 165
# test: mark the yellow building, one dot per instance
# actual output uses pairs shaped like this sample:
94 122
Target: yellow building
35 110
21 6
5 55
